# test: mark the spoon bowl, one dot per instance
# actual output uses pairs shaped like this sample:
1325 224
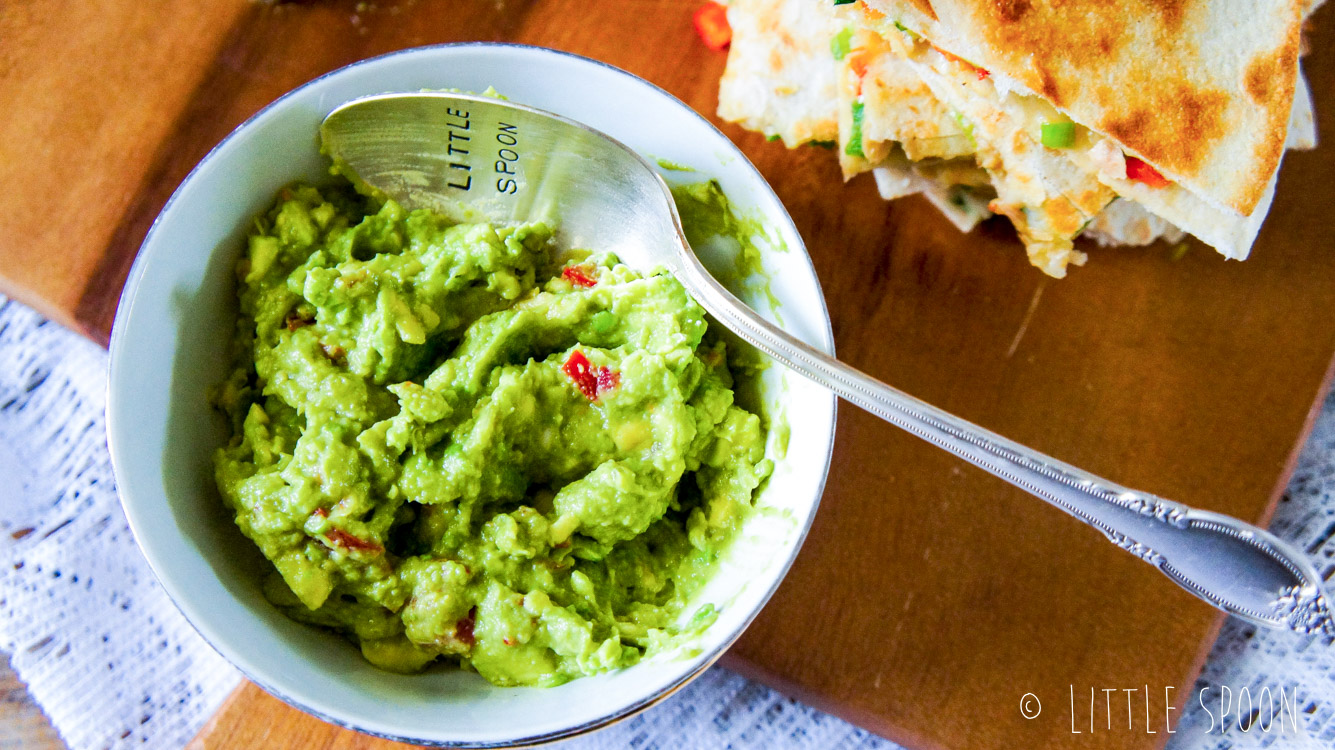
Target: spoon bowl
477 158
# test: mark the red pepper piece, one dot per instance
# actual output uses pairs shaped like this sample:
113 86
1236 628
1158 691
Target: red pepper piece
711 23
857 62
591 380
342 538
578 276
607 379
980 72
1141 172
335 353
463 629
578 369
295 320
952 56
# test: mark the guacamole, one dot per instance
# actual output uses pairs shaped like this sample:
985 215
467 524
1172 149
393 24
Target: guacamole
454 446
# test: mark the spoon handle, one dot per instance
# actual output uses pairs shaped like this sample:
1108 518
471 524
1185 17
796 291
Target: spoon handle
1237 567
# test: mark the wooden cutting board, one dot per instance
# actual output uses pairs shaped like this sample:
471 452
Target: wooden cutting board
929 597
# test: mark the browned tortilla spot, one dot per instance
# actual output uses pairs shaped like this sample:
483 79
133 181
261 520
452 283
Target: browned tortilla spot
1266 83
1172 12
1264 71
1047 86
1175 129
1010 11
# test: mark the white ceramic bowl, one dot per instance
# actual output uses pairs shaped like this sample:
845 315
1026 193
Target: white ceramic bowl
170 342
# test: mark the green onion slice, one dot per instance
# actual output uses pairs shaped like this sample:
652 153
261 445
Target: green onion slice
841 43
1058 134
966 127
854 147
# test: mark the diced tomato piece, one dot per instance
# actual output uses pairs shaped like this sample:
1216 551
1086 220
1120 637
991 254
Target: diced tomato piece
295 320
463 629
335 353
344 539
607 379
321 512
980 72
952 56
857 62
1141 172
590 380
578 369
578 276
711 23
859 65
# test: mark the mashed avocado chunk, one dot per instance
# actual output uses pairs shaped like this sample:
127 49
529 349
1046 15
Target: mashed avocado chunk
452 446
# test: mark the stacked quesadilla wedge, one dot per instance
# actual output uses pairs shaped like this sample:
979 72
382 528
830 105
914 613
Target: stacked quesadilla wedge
1122 120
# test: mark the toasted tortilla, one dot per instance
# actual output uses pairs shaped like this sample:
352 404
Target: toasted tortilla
899 108
1047 197
781 77
1128 223
1029 177
968 140
1302 120
963 209
1200 89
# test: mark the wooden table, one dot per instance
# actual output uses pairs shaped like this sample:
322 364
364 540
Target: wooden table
23 726
929 597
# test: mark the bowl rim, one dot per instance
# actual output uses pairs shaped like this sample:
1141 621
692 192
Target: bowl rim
125 303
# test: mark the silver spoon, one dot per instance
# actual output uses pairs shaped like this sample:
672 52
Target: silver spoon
424 151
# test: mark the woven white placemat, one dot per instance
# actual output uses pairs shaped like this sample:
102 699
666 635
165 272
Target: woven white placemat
115 666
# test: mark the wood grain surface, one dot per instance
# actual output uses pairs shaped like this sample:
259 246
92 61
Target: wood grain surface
929 597
23 726
90 93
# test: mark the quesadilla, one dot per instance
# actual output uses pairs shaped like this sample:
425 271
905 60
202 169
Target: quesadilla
1124 120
